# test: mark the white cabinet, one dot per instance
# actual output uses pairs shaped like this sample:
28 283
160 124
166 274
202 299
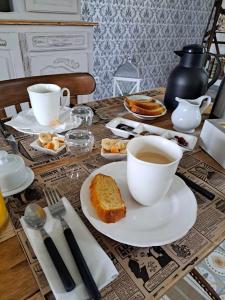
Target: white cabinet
10 57
42 50
52 6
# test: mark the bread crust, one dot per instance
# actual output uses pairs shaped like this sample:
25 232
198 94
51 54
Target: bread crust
150 112
106 215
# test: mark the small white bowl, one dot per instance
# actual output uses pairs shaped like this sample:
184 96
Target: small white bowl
113 156
37 146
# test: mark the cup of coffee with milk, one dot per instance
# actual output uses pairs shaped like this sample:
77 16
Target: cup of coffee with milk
152 162
46 101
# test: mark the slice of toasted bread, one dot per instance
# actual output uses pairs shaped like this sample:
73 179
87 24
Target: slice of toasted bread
143 104
106 199
150 112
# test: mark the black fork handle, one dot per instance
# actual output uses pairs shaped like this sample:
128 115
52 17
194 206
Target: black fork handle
82 265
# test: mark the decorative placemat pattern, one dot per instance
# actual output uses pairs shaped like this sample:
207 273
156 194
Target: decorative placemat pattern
144 273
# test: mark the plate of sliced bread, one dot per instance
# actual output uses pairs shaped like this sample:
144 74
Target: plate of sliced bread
144 107
107 204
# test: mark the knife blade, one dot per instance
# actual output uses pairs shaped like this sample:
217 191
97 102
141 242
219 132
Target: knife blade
9 137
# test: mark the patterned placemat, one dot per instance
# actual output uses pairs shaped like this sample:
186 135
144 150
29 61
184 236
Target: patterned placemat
144 273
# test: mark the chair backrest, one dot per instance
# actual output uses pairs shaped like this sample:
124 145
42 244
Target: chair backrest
14 95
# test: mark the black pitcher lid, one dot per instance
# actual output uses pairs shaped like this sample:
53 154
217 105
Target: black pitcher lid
194 48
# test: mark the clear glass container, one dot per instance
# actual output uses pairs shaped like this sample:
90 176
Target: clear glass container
82 115
78 142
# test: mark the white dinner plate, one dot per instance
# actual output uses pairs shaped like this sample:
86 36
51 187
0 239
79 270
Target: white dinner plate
139 116
26 122
29 179
143 226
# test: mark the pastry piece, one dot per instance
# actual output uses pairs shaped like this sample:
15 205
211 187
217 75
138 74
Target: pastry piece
144 104
45 138
49 145
55 142
106 199
107 144
150 112
50 141
114 145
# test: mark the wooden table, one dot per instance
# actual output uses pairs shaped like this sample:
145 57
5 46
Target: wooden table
157 268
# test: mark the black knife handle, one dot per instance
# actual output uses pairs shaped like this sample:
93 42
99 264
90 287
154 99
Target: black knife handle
81 265
196 187
59 264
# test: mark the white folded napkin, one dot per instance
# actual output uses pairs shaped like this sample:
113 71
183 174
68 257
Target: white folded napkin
26 120
100 265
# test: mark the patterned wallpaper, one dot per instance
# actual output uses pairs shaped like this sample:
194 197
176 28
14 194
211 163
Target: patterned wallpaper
146 30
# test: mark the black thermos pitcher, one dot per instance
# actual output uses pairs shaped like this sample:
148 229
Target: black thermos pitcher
189 79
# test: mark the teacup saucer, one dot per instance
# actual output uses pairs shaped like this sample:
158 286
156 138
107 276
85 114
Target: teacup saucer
144 226
29 179
26 122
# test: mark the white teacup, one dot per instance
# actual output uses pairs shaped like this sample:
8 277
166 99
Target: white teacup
46 101
149 182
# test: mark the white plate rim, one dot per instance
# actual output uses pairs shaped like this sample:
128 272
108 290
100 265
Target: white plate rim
23 186
145 117
148 243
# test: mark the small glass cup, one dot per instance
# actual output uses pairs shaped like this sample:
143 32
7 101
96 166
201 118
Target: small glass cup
82 115
4 217
78 142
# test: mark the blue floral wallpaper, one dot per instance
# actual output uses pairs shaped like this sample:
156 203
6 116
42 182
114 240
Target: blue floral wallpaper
147 31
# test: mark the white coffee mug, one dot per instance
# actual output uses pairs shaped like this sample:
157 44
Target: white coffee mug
149 182
46 101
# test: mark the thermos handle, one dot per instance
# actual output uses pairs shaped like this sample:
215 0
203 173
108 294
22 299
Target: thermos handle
218 69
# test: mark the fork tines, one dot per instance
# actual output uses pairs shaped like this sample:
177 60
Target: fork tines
52 196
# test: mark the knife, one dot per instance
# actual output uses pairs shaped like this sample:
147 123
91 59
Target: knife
9 137
201 190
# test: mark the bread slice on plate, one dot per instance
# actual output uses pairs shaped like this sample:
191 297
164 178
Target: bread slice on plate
106 199
150 112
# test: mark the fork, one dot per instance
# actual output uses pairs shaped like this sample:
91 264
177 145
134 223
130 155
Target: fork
57 210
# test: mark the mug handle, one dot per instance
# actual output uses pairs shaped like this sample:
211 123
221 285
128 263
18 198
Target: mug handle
205 104
65 100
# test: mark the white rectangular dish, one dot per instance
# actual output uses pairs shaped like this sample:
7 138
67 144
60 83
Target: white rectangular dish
140 127
212 139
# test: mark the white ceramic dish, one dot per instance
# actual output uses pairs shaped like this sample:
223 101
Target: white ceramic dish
139 116
140 127
37 146
29 174
12 168
113 156
26 122
160 224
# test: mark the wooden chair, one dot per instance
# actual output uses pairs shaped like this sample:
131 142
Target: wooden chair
13 93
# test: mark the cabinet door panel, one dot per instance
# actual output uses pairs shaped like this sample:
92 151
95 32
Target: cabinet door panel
5 73
52 6
57 41
10 57
56 63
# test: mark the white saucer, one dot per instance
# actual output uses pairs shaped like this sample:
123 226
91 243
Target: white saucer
139 116
144 226
26 122
29 179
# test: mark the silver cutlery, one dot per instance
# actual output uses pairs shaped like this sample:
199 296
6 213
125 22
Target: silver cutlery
9 138
35 217
57 210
